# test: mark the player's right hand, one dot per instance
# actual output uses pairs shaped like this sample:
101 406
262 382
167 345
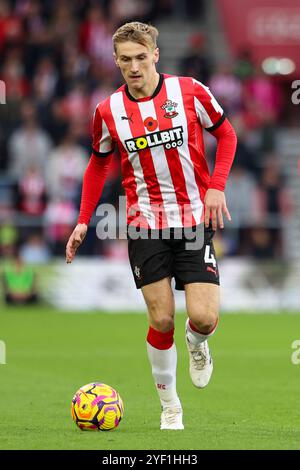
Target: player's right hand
75 241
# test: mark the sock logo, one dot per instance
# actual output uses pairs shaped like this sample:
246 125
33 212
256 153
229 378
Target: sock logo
161 386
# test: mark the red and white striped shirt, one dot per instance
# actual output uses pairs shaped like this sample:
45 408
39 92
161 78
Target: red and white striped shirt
164 170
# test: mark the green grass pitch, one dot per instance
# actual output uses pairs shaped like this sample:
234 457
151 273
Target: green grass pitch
252 401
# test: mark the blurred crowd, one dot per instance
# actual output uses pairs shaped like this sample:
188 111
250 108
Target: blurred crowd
57 64
256 193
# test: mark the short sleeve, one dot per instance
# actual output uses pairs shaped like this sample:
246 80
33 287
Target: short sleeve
103 144
209 112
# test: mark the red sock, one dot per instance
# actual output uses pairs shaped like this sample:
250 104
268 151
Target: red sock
160 340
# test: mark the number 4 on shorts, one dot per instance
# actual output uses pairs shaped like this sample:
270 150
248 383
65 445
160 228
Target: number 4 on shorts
209 257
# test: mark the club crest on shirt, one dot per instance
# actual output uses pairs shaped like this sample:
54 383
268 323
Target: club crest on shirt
170 109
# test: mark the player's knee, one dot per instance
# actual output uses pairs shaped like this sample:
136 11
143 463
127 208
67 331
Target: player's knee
205 322
161 315
163 324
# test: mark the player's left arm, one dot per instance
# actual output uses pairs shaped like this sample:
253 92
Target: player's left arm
215 201
213 119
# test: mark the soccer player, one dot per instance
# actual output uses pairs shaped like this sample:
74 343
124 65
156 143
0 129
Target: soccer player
156 121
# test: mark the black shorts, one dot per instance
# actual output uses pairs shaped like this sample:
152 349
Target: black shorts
154 259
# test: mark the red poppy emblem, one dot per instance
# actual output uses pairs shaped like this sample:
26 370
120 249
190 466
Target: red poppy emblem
150 124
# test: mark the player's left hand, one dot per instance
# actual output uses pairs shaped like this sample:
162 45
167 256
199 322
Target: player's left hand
75 240
215 206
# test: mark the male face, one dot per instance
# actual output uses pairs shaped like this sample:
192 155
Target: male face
137 64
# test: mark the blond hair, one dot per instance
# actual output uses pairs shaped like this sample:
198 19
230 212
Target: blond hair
135 31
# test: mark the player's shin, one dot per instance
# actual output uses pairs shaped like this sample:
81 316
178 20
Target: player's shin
163 359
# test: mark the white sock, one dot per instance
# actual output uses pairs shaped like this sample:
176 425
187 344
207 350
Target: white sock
163 363
195 338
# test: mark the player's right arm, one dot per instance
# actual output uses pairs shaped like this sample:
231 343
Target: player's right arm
93 182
